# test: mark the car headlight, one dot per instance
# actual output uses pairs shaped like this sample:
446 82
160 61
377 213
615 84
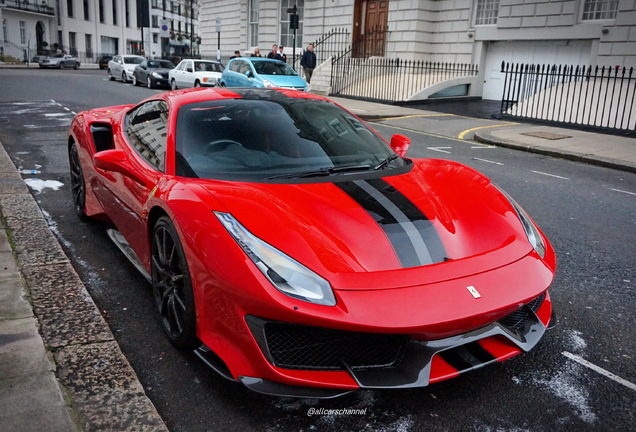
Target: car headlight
532 232
156 75
286 274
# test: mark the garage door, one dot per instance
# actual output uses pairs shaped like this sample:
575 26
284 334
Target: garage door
570 52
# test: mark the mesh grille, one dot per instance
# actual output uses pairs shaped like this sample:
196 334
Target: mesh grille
313 348
516 320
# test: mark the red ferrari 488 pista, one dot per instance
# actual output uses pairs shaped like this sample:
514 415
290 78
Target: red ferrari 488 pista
299 253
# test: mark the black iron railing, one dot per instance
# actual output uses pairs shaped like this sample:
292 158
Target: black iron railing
391 80
325 47
589 96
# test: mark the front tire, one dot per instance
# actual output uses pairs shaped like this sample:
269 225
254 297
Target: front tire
197 83
110 75
149 82
172 286
135 81
173 84
78 185
62 65
124 78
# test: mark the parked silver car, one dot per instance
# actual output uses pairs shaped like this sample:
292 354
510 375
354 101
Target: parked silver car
59 61
122 67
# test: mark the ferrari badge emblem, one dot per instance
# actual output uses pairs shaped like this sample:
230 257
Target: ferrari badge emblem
471 289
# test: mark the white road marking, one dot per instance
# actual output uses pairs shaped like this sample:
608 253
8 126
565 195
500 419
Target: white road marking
600 370
439 149
488 161
622 191
551 175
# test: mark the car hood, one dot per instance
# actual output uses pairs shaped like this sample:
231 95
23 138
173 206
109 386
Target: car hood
438 212
285 80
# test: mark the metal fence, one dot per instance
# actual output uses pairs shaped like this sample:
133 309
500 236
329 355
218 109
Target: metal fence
603 97
328 45
390 80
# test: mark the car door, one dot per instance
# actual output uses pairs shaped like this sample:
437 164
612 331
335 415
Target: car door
188 75
143 139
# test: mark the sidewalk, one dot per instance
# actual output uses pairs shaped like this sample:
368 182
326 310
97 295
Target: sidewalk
60 366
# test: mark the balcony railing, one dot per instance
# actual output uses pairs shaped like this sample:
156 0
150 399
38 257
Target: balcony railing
29 5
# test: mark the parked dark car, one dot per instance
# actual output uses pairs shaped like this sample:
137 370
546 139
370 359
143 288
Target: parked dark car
103 61
152 73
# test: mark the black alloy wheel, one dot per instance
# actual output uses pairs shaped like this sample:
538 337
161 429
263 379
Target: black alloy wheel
172 286
62 66
123 77
78 186
149 82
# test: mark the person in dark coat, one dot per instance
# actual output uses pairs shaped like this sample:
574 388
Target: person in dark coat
273 54
308 62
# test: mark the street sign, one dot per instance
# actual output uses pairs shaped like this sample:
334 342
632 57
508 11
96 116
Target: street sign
164 28
218 25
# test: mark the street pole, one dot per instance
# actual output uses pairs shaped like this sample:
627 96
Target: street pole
218 43
293 24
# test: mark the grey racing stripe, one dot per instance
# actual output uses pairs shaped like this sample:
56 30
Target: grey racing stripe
414 235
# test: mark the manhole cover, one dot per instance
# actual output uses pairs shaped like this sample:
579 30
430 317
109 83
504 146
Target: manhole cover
546 135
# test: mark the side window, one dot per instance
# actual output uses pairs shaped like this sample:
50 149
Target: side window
181 66
234 67
147 132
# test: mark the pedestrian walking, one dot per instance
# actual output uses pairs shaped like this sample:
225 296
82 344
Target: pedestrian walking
308 62
257 52
282 55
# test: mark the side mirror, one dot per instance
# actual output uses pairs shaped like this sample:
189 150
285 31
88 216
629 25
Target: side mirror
189 70
249 74
400 144
116 161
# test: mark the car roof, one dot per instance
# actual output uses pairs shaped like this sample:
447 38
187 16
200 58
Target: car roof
178 98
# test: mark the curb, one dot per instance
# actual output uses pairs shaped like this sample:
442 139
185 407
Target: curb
487 137
101 388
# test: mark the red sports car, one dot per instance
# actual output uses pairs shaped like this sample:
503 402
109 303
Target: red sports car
297 252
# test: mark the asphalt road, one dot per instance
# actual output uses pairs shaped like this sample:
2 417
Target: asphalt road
587 212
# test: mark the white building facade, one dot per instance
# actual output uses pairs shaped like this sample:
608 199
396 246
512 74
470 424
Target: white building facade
482 32
90 28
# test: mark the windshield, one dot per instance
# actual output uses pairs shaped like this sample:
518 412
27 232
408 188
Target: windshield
166 64
254 140
133 60
273 68
208 66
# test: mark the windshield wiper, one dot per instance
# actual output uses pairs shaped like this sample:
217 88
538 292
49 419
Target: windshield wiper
386 161
323 172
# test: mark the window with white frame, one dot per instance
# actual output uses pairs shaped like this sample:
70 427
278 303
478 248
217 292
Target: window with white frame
22 32
486 12
253 15
287 34
5 32
600 9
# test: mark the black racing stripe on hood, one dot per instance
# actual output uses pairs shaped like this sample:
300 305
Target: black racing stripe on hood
411 234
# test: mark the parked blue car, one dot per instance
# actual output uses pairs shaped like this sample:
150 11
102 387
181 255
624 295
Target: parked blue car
261 72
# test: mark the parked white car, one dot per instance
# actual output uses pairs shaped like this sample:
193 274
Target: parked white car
195 73
122 67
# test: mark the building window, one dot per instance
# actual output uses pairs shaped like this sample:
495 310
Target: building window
155 21
72 43
287 34
600 9
5 32
101 11
114 12
154 3
486 12
127 13
253 22
155 38
69 8
86 12
88 41
22 32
